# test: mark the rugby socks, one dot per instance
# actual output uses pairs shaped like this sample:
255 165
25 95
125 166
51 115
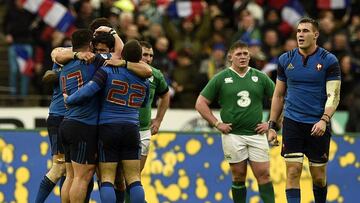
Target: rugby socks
89 190
107 193
238 190
120 196
46 186
320 193
137 194
127 196
293 195
267 192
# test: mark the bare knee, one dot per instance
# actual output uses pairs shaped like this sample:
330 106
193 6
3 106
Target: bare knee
293 172
238 171
56 171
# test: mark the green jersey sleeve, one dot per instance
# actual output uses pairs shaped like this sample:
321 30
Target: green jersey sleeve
211 89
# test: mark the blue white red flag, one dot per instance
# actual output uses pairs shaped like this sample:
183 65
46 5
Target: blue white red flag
184 9
52 13
332 4
292 12
24 60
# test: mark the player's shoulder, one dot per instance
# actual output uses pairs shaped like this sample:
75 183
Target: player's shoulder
257 72
325 55
156 72
286 56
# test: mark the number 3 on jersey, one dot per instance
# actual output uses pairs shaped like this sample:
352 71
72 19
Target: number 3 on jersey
121 89
244 100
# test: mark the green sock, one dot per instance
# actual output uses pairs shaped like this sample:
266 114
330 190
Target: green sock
238 190
267 192
127 196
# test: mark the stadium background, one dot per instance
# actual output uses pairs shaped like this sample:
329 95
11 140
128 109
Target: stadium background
186 162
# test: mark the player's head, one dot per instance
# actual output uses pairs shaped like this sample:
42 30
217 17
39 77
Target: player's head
103 43
132 51
307 33
95 24
239 55
81 39
147 52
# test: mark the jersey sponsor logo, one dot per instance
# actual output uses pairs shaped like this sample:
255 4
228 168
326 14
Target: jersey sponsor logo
228 80
290 66
254 78
319 66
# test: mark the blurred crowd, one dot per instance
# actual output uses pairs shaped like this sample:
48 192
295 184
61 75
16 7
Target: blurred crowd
189 50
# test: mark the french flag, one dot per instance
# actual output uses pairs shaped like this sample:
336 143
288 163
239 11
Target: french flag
332 4
24 60
52 13
292 12
183 9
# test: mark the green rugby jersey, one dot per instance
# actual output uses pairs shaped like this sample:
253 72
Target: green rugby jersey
159 87
240 98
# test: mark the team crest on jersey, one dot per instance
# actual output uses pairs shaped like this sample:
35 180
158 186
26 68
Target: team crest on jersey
104 56
228 80
290 66
255 78
319 66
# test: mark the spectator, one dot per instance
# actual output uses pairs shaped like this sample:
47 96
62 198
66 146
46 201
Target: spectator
17 29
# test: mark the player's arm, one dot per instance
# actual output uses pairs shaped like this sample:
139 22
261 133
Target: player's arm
89 90
203 107
163 105
333 93
277 105
140 69
63 55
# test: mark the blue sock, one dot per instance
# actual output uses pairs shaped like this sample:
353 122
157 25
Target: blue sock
137 194
107 193
293 195
120 196
320 193
46 186
89 190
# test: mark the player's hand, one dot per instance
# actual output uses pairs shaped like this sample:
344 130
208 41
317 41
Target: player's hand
154 127
88 57
319 128
115 62
272 137
102 29
225 128
262 128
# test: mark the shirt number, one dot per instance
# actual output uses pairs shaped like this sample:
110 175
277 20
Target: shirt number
244 100
122 89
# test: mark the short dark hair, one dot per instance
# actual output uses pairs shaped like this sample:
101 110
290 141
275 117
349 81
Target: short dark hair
104 38
145 44
238 44
132 51
313 22
97 22
81 38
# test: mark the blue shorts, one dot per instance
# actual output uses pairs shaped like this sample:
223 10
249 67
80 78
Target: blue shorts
53 124
80 142
297 139
119 142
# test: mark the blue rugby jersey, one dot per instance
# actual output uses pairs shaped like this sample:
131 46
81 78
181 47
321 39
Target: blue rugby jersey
57 107
124 93
73 76
306 79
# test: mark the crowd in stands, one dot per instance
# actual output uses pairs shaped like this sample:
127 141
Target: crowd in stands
191 48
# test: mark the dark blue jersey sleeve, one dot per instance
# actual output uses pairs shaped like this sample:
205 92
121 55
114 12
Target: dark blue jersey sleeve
89 90
100 59
280 69
333 72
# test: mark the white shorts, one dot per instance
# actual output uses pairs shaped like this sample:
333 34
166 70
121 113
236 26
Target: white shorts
238 148
145 142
